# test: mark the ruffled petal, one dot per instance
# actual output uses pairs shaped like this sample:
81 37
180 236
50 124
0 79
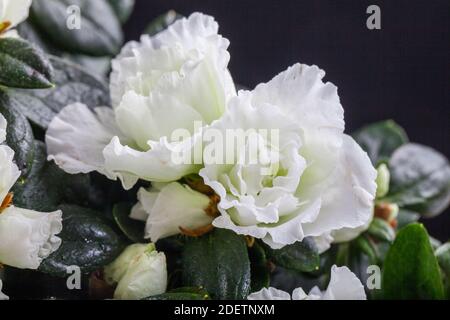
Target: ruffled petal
77 136
347 194
269 294
27 237
344 285
155 164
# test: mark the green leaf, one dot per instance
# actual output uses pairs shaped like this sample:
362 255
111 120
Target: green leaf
133 229
19 135
99 34
47 186
380 139
420 180
219 263
406 217
162 22
366 246
381 230
182 294
260 274
411 270
73 84
300 256
88 241
23 65
122 8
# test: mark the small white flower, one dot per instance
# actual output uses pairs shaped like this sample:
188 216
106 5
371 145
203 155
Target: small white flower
26 237
2 295
12 12
140 272
344 285
168 207
323 184
162 83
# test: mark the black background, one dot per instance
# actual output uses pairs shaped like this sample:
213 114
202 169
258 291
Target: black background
401 71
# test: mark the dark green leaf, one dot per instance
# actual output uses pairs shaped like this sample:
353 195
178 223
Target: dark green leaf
162 22
260 274
133 229
73 84
47 186
99 34
420 180
411 270
300 256
23 65
381 230
88 241
381 139
182 294
219 263
19 135
122 8
366 246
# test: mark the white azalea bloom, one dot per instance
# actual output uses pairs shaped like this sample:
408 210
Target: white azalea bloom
2 128
163 83
167 208
323 181
26 237
12 12
2 295
344 285
140 272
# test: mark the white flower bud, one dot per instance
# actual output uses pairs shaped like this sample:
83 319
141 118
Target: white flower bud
383 179
145 273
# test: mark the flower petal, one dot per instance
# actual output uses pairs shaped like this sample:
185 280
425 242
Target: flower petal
269 294
344 285
3 125
9 172
27 237
349 193
14 11
77 136
175 206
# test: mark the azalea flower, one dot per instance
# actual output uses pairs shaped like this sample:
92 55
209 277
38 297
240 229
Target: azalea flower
139 272
2 295
344 285
323 183
12 12
163 83
26 237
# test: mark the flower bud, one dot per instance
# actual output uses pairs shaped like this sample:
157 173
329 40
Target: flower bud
140 271
383 179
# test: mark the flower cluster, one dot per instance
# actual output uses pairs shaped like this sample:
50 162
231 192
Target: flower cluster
321 185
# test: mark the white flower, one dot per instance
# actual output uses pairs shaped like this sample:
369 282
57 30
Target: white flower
2 295
26 237
170 208
344 285
163 83
12 12
140 272
323 182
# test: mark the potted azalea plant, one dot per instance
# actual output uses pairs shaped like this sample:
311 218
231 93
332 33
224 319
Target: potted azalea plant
144 171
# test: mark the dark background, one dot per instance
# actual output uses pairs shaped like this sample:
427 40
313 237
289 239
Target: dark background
401 71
